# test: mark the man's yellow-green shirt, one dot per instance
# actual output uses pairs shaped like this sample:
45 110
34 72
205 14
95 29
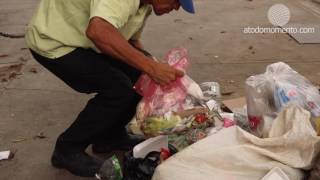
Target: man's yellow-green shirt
59 26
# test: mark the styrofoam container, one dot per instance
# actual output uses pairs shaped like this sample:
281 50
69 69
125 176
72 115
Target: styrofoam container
276 174
149 145
4 155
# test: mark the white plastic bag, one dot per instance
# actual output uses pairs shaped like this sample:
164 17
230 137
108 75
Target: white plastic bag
280 85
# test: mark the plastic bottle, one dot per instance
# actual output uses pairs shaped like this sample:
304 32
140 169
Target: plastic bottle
110 170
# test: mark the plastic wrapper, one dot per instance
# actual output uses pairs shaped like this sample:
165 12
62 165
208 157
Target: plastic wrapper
178 141
159 124
241 118
177 122
268 93
181 141
195 135
211 89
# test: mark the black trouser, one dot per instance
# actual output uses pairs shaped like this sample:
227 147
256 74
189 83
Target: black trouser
105 115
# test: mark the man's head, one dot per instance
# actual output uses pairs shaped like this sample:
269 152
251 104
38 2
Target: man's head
161 7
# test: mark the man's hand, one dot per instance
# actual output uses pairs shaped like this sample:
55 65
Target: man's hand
163 73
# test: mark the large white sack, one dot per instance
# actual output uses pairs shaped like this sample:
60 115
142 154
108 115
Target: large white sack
234 154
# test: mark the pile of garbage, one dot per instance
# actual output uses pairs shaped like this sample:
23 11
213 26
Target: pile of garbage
184 110
275 127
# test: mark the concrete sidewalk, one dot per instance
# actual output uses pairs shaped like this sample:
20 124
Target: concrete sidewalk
32 100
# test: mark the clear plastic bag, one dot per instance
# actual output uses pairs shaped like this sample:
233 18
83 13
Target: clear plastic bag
268 93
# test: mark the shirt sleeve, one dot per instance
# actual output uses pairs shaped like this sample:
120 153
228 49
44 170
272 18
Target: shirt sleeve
116 12
137 35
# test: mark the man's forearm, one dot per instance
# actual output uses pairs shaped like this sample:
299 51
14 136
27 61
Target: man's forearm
109 41
136 43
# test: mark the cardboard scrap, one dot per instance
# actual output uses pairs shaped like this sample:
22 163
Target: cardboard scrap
235 103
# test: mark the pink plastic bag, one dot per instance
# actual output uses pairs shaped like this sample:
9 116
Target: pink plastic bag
161 99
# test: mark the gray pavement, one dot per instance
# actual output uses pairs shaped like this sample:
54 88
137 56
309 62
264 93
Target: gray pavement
33 102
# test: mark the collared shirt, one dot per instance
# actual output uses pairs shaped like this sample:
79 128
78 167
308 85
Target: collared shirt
59 26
